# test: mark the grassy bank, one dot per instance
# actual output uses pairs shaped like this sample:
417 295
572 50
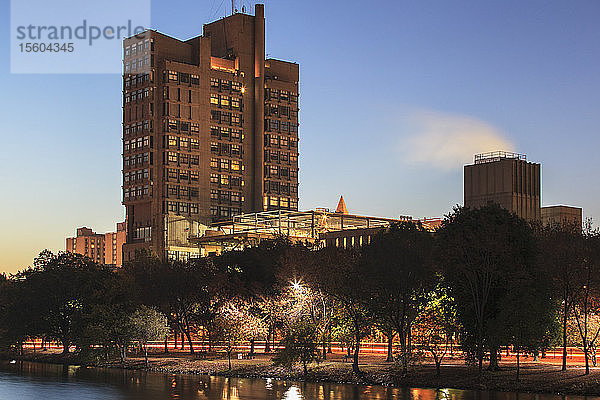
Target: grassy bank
538 377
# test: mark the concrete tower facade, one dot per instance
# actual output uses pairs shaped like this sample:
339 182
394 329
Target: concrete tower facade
210 130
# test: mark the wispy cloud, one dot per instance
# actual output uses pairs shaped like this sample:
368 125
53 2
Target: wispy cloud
448 141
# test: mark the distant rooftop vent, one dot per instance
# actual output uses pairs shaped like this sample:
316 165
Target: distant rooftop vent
497 156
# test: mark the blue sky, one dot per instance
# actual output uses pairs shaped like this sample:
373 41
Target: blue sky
395 98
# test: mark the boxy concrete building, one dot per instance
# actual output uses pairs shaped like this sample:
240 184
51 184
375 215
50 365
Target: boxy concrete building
507 179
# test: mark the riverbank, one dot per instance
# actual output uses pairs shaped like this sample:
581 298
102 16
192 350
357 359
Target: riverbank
536 377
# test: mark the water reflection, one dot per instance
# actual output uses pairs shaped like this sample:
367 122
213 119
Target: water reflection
57 382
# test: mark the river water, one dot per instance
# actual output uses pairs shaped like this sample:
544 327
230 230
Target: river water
29 380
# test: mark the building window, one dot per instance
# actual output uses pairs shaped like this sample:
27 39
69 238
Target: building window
224 133
171 157
183 175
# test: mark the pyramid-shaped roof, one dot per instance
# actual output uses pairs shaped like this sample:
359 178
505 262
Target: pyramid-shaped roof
341 207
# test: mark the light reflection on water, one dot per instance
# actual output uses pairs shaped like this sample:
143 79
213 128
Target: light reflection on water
57 382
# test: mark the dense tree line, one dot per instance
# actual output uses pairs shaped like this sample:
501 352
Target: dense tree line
484 281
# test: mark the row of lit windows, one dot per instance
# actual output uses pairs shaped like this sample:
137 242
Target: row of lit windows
352 241
144 232
181 143
281 141
181 175
226 133
275 125
181 77
181 208
235 150
132 176
181 255
224 196
281 156
138 95
226 180
226 101
173 125
172 157
224 84
137 79
138 159
280 95
182 192
224 117
276 171
224 164
138 127
281 202
137 143
136 192
281 187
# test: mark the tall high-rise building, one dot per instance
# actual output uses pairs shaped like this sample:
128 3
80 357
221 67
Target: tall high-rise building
210 130
507 179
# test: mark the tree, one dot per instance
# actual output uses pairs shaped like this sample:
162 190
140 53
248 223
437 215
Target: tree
235 323
586 293
18 317
109 321
260 273
300 301
299 344
148 324
337 273
527 313
436 325
560 255
399 274
478 250
188 293
63 288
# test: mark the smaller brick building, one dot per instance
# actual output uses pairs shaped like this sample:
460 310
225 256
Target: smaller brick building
103 248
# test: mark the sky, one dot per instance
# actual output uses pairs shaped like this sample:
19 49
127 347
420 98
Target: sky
395 97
